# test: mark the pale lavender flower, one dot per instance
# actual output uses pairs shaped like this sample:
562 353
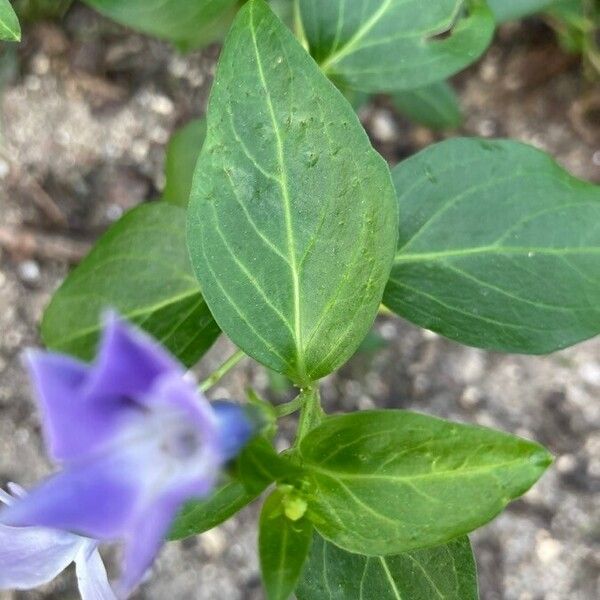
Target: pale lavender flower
32 556
136 440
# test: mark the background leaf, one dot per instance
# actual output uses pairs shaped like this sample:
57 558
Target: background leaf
507 10
283 547
141 268
291 220
180 160
435 106
499 247
390 481
199 516
187 24
10 29
443 572
358 44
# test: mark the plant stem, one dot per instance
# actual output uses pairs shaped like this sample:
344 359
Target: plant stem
283 410
216 375
311 413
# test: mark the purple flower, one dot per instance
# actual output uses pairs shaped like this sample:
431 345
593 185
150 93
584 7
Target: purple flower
136 440
32 556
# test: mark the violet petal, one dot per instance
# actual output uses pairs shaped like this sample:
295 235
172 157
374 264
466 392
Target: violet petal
128 362
142 546
93 499
235 427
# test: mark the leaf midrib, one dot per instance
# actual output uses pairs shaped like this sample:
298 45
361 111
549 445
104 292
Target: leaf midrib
283 183
340 475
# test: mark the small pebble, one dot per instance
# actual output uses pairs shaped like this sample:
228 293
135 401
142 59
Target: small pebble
547 548
590 373
29 271
383 126
567 463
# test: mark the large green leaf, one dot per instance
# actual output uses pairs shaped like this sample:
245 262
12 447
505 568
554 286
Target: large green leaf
291 219
10 29
440 573
283 547
181 157
435 106
202 515
141 268
186 23
507 10
389 45
499 247
390 481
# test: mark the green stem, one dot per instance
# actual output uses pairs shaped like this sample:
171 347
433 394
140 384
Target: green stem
311 413
283 410
216 375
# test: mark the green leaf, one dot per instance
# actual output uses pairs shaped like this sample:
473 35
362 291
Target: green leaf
389 45
140 267
283 546
390 481
443 572
435 106
199 516
510 10
10 29
187 24
499 247
291 222
180 160
259 465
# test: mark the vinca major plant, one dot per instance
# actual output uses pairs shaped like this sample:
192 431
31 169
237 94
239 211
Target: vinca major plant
281 227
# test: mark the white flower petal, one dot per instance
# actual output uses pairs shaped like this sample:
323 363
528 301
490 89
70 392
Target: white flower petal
91 574
32 556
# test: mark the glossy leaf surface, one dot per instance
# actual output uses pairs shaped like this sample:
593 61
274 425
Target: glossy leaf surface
499 247
390 45
385 482
292 217
141 268
443 572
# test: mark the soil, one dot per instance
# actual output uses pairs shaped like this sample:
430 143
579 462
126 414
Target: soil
87 108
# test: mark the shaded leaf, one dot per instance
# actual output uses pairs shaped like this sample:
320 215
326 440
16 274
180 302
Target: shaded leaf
443 572
499 247
186 24
510 10
10 30
180 160
199 516
389 45
435 106
283 547
141 268
391 481
259 465
291 222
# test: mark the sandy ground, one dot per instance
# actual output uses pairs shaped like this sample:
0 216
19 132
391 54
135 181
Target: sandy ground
86 111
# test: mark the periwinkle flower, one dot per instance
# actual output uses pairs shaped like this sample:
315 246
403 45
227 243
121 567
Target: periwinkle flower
136 440
32 556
